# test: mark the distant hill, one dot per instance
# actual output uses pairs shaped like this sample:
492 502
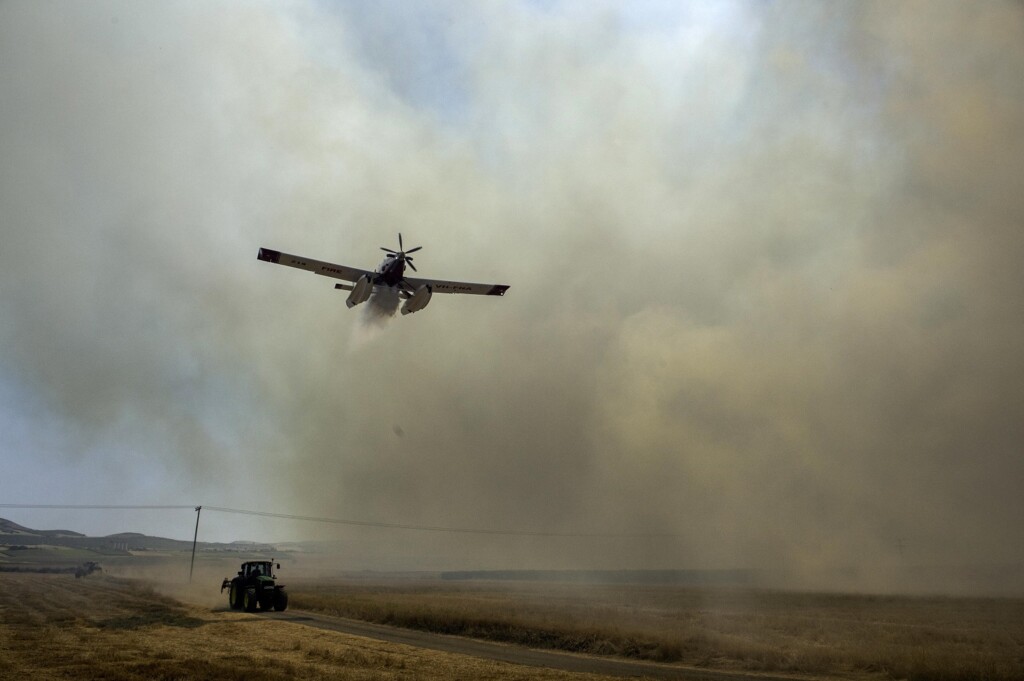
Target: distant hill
7 527
13 534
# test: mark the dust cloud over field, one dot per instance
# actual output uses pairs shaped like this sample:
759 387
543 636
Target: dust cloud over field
171 577
765 266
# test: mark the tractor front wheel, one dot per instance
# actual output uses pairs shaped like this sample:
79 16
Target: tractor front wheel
280 600
249 600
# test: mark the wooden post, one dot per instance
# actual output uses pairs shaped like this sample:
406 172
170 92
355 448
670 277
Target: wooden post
194 538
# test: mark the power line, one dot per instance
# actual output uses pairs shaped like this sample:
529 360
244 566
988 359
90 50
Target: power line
130 507
432 528
357 523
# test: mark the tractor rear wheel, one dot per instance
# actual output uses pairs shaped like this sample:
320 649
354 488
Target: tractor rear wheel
235 597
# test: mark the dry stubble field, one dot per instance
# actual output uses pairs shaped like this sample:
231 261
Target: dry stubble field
57 627
882 637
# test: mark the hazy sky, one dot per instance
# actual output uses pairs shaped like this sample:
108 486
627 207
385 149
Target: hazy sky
765 258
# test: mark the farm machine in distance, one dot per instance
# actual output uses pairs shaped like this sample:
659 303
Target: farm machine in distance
255 587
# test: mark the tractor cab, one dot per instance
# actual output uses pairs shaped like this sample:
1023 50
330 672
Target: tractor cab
257 568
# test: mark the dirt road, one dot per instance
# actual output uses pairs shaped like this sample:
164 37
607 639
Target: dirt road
512 654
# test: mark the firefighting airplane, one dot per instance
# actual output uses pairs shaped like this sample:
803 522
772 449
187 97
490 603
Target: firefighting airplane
390 274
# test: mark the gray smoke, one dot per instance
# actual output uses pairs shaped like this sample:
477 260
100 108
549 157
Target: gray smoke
765 266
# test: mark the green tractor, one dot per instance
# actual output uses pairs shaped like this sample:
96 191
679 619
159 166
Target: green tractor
255 587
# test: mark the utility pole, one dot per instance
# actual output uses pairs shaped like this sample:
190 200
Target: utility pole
194 538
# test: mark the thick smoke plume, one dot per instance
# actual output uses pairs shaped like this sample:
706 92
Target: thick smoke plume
765 266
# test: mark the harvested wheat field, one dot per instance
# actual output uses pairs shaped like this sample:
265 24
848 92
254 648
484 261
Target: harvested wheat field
740 630
53 626
57 627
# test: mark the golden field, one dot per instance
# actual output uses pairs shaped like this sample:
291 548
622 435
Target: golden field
153 626
56 627
887 637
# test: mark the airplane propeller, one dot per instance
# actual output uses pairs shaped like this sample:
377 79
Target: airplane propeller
403 254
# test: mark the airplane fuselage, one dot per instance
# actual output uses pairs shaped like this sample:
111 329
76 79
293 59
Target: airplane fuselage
390 272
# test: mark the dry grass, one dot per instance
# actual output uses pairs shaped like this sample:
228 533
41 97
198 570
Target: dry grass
57 627
894 637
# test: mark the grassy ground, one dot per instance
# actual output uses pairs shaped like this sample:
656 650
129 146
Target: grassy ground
891 637
57 627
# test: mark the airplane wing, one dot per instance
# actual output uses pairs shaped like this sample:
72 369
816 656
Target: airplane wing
441 286
354 273
317 266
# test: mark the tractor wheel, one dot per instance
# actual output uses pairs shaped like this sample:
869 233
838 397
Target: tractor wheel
280 600
249 600
235 597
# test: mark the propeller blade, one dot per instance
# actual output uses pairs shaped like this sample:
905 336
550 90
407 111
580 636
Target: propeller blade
413 250
400 247
409 262
388 250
